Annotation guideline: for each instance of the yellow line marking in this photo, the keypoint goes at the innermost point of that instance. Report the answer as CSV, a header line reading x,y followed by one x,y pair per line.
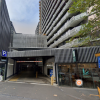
x,y
98,92
94,95
15,78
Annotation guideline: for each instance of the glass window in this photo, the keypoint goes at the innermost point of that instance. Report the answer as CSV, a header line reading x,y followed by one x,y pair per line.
x,y
89,73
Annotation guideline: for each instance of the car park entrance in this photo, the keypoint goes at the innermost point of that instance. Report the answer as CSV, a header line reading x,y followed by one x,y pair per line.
x,y
29,70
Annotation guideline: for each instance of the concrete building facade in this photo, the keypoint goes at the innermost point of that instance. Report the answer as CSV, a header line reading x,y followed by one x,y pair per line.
x,y
44,53
6,31
37,30
28,40
58,24
65,66
5,27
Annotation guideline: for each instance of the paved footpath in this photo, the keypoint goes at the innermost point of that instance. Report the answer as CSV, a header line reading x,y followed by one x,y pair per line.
x,y
25,91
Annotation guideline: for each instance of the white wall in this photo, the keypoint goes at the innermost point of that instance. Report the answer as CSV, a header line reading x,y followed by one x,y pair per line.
x,y
51,62
10,67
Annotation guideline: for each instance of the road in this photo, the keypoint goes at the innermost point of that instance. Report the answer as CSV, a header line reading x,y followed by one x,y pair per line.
x,y
26,91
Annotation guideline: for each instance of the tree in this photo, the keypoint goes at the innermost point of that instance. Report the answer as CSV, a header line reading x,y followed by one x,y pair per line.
x,y
92,28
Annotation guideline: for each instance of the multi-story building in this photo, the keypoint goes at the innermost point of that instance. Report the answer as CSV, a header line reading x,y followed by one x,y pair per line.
x,y
5,27
58,24
12,33
6,31
27,50
37,30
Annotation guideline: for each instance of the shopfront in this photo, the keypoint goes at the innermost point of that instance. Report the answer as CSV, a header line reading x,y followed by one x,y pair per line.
x,y
68,64
89,73
2,70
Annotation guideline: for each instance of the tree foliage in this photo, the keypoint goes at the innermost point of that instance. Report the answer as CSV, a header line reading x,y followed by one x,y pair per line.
x,y
92,7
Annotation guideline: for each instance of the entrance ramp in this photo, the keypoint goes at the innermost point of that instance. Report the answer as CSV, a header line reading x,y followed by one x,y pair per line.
x,y
29,77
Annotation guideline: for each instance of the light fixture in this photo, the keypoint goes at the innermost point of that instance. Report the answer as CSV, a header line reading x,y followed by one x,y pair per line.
x,y
27,61
10,64
49,65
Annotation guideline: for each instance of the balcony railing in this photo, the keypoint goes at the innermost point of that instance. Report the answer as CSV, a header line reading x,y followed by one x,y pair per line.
x,y
68,34
66,7
75,42
70,23
71,44
68,3
51,12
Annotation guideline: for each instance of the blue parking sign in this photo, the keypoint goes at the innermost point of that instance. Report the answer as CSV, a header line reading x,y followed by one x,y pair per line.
x,y
51,72
99,62
4,53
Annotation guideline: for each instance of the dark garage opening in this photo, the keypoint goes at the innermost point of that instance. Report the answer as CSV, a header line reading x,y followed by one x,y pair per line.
x,y
27,69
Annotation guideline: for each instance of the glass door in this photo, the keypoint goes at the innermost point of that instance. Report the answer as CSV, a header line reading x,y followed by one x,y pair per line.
x,y
96,77
64,75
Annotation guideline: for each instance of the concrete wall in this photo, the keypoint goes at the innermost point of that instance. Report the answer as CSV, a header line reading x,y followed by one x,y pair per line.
x,y
29,40
10,67
49,64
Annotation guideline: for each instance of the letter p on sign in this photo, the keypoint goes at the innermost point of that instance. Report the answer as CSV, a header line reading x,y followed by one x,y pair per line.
x,y
4,53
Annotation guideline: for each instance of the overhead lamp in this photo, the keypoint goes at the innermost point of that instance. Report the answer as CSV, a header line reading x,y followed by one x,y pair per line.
x,y
27,61
10,64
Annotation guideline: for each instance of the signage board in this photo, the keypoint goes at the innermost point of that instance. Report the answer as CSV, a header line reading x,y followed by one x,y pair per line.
x,y
51,72
99,62
4,53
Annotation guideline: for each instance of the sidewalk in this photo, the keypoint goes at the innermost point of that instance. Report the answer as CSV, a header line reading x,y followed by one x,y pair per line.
x,y
83,93
26,91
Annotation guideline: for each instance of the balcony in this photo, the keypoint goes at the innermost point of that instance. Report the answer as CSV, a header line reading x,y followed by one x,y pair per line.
x,y
68,34
74,43
53,38
67,5
71,44
77,19
70,23
52,11
67,15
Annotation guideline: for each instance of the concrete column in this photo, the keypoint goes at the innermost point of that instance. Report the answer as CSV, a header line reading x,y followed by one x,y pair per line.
x,y
57,80
53,69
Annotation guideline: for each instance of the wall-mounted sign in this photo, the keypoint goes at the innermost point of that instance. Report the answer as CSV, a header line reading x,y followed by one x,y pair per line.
x,y
99,62
4,53
51,72
79,82
85,72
